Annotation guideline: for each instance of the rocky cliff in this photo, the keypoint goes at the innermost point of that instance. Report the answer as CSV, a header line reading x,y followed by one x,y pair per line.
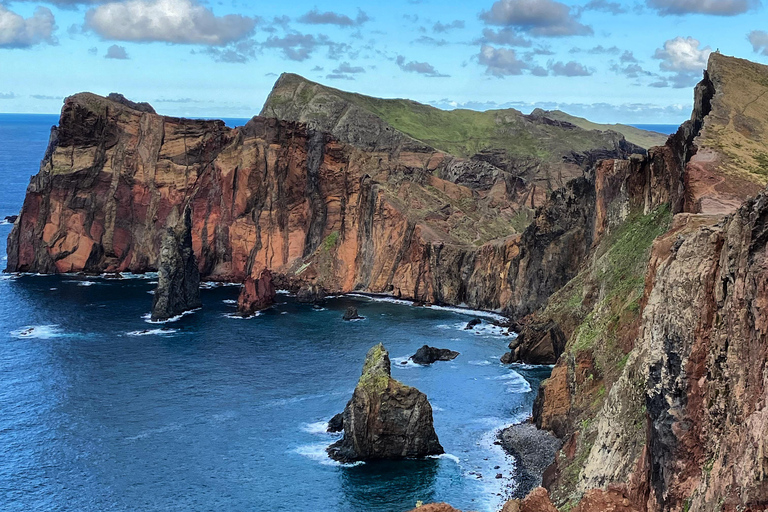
x,y
660,389
385,419
317,212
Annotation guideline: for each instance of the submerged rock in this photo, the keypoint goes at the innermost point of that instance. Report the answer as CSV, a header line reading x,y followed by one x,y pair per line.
x,y
256,294
428,355
178,283
385,419
351,314
472,323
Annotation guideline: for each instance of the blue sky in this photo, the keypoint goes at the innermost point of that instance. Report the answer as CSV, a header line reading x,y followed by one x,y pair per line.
x,y
633,62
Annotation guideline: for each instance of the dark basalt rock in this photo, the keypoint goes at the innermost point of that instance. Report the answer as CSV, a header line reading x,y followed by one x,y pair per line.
x,y
385,419
533,449
256,294
10,219
351,314
428,355
336,424
178,284
472,323
537,343
310,294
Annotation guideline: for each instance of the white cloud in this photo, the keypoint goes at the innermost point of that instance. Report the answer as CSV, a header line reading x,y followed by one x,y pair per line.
x,y
500,61
682,57
172,21
546,18
759,41
713,7
18,32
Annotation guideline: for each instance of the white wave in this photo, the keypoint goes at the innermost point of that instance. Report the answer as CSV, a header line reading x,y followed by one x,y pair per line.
x,y
382,298
473,312
317,453
152,332
404,362
152,431
86,283
447,456
437,409
480,363
151,292
146,275
318,427
8,277
148,317
52,289
4,222
238,316
42,332
283,312
229,301
284,292
319,309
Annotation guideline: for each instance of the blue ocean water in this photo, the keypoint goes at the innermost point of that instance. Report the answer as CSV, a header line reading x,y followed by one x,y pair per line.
x,y
666,129
102,411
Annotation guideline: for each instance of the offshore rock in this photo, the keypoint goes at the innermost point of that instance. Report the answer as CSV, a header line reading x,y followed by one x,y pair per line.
x,y
537,343
385,419
472,323
428,355
351,314
336,424
178,284
256,294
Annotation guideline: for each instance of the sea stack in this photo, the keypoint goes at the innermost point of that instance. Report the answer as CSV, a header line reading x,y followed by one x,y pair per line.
x,y
178,284
256,294
385,419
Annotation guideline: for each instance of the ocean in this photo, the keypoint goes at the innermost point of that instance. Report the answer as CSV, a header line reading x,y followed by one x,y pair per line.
x,y
103,411
666,129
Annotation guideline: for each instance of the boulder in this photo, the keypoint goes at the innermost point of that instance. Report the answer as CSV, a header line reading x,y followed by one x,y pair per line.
x,y
385,419
351,314
533,450
537,343
178,283
310,294
10,219
336,424
256,294
472,323
428,355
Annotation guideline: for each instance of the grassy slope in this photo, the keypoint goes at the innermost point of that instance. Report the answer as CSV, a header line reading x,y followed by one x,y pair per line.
x,y
643,138
736,126
459,132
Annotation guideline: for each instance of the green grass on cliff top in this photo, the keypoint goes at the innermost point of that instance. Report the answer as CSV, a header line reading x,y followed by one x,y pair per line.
x,y
460,132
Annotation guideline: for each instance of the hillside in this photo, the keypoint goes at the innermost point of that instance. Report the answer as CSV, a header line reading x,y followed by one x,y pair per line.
x,y
643,138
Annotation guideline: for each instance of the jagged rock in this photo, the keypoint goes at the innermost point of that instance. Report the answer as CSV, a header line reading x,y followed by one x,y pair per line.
x,y
435,507
310,294
428,355
351,314
472,323
178,283
385,419
256,294
336,424
10,219
537,343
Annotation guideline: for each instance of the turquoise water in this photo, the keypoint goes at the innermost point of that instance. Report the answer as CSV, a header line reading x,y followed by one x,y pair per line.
x,y
666,129
104,411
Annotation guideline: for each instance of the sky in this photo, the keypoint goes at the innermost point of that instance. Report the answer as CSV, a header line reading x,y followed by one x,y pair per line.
x,y
609,61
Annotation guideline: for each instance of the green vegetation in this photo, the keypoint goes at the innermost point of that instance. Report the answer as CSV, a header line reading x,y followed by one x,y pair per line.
x,y
643,138
460,132
375,378
330,241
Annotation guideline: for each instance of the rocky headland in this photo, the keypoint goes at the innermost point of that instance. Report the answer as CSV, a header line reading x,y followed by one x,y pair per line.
x,y
638,274
385,419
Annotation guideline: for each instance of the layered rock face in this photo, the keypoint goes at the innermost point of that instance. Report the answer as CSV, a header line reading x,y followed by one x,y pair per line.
x,y
385,419
178,283
256,294
660,390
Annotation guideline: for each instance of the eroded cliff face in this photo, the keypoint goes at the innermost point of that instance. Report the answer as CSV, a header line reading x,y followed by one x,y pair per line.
x,y
660,390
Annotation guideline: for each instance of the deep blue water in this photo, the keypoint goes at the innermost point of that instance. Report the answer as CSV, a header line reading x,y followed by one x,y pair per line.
x,y
219,413
666,129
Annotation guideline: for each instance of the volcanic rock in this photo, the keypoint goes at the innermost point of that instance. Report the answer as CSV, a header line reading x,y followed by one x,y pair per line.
x,y
256,294
428,355
178,284
310,294
472,323
351,314
336,424
10,219
385,419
